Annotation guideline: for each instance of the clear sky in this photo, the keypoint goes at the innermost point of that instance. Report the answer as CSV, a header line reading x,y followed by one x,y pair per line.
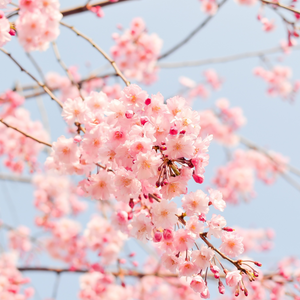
x,y
272,122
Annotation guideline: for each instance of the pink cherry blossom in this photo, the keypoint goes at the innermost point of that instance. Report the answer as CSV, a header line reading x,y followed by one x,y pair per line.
x,y
232,244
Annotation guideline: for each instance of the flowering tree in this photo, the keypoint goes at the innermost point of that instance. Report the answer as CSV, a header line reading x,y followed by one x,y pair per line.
x,y
125,172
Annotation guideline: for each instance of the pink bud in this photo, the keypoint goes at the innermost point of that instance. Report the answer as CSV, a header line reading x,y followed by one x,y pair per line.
x,y
182,132
123,283
202,217
173,131
258,263
148,101
12,32
198,178
221,287
144,120
122,261
77,139
130,215
132,254
168,234
228,229
131,203
157,236
129,114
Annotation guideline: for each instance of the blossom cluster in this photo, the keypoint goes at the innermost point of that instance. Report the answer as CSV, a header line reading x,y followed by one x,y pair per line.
x,y
12,280
17,148
222,123
136,52
144,151
64,85
279,83
38,23
211,81
236,179
5,29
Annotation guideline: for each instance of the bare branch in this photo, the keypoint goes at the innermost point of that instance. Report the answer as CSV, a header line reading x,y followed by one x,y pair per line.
x,y
113,63
222,59
45,88
185,40
281,5
58,57
24,133
15,178
83,8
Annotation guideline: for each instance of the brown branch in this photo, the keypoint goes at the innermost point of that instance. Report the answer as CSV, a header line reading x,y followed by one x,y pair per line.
x,y
256,147
16,178
83,8
64,66
236,263
43,86
281,5
222,59
112,62
24,133
195,31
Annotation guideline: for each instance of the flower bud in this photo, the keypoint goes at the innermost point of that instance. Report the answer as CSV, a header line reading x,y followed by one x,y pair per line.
x,y
258,263
173,131
199,179
130,215
168,234
129,114
182,132
148,101
157,236
228,229
131,203
12,32
202,217
221,287
144,120
77,139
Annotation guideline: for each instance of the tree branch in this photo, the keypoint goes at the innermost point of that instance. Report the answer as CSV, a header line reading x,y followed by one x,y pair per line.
x,y
185,40
43,86
281,5
64,66
15,178
83,8
112,62
223,59
24,133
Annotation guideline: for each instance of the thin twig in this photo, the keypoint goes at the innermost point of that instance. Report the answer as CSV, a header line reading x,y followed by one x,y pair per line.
x,y
281,5
112,62
45,88
56,285
26,134
15,178
258,148
63,65
222,59
185,40
36,66
83,8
